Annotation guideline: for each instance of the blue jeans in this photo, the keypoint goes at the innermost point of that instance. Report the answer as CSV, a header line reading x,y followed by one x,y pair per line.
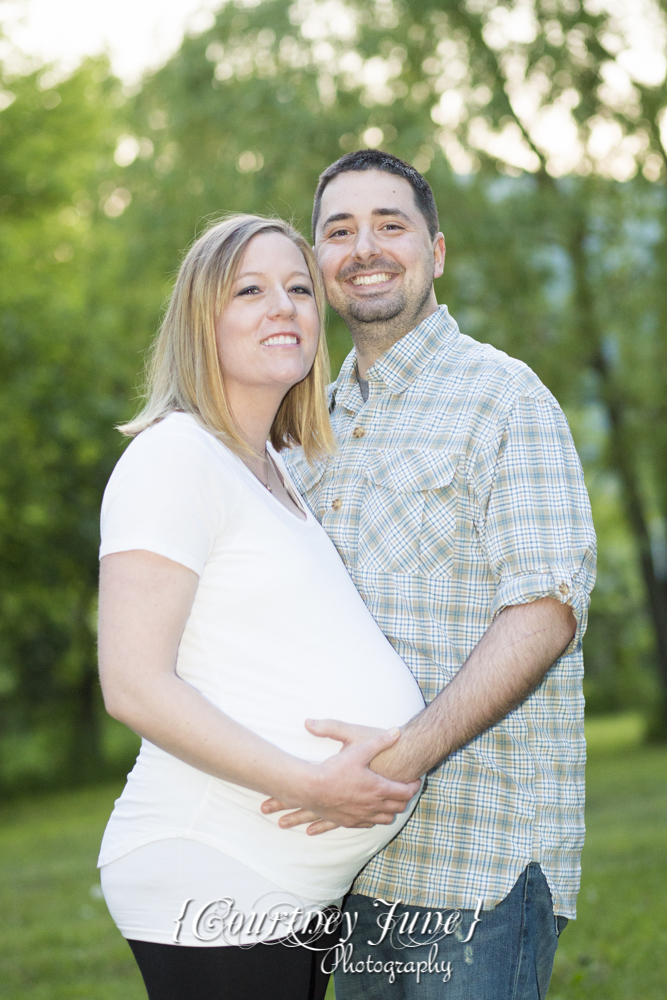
x,y
395,953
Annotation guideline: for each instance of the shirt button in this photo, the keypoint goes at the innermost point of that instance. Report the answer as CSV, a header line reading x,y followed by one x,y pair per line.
x,y
564,589
336,504
358,432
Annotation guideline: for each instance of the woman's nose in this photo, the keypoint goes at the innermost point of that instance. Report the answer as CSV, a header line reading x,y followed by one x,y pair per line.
x,y
281,303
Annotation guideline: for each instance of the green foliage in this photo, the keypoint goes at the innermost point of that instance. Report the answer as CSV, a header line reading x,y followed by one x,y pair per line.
x,y
61,383
100,193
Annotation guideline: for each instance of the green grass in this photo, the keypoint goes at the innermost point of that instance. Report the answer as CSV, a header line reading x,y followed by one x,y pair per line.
x,y
617,949
57,941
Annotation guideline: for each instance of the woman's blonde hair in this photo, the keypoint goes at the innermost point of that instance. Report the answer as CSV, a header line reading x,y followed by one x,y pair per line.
x,y
184,370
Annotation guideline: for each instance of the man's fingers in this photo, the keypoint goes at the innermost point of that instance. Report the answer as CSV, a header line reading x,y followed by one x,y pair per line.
x,y
272,806
394,806
324,825
296,818
396,795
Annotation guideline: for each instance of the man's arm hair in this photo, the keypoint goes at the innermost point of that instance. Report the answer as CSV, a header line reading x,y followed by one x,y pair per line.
x,y
508,663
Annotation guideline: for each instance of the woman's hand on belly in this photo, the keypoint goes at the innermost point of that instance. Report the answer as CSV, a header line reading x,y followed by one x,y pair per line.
x,y
345,790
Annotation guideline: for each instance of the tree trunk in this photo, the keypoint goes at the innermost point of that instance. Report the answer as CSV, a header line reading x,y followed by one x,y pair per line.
x,y
623,462
656,589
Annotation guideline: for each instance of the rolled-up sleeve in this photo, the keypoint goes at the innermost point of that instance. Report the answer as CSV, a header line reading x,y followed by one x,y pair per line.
x,y
538,530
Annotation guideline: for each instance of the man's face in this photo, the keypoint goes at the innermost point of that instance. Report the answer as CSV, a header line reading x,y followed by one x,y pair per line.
x,y
377,257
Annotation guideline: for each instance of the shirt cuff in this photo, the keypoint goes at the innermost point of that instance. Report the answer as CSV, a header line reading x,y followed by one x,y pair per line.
x,y
560,583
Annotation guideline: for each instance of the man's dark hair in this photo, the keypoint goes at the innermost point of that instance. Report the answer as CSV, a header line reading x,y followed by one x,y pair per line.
x,y
377,159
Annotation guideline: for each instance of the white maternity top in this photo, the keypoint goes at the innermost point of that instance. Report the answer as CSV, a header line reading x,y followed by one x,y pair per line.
x,y
277,634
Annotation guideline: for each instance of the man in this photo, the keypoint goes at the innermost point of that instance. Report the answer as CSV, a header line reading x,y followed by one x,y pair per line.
x,y
457,502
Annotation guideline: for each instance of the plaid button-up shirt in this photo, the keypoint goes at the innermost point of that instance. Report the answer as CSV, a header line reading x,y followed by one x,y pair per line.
x,y
457,491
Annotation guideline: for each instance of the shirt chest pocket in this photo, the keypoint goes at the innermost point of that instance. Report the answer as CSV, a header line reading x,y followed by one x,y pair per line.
x,y
408,512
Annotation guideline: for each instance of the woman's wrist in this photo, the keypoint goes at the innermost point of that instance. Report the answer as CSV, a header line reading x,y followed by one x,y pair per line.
x,y
296,782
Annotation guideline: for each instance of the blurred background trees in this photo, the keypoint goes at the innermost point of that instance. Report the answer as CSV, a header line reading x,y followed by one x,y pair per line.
x,y
542,141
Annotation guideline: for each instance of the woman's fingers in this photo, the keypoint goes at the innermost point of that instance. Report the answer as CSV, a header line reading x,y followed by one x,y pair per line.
x,y
351,734
334,729
375,744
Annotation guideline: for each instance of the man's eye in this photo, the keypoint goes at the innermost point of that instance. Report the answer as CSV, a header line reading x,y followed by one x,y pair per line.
x,y
339,232
393,225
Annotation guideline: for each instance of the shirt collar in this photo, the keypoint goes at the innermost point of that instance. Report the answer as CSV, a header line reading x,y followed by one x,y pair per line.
x,y
398,367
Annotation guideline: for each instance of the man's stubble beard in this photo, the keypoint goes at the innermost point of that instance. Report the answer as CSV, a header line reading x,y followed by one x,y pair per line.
x,y
376,325
371,311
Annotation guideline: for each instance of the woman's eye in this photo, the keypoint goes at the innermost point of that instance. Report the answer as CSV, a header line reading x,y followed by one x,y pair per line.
x,y
249,290
300,290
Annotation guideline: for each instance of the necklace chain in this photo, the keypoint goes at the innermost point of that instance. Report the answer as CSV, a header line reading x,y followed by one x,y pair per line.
x,y
270,464
267,460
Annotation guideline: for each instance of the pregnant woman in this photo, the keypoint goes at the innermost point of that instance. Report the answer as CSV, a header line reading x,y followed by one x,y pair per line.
x,y
226,620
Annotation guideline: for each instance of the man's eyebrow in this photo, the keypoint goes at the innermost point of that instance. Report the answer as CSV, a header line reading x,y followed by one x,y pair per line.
x,y
391,211
338,217
343,216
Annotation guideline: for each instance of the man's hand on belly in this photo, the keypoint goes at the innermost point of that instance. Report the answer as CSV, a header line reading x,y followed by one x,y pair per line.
x,y
344,791
507,664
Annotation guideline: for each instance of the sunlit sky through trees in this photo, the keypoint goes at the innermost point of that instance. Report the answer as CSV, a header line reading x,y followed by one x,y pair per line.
x,y
139,36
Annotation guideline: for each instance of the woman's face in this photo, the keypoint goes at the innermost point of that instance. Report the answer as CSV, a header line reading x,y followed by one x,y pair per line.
x,y
267,335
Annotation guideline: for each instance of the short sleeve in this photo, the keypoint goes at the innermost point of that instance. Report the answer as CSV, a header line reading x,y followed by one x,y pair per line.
x,y
538,530
164,496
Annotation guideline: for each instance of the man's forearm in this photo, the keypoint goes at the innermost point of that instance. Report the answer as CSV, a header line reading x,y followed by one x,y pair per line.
x,y
506,665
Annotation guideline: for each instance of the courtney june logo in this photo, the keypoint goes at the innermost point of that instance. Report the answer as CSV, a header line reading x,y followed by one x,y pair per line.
x,y
409,929
342,957
219,919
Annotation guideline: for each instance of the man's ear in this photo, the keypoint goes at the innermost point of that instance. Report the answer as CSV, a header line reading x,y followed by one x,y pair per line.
x,y
439,251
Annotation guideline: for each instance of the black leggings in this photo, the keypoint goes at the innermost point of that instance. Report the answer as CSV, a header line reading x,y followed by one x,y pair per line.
x,y
263,972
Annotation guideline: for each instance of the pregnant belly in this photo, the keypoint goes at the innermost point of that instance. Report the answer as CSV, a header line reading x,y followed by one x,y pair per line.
x,y
379,692
320,867
165,797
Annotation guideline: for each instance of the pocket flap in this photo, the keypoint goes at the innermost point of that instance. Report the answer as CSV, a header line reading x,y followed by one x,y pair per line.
x,y
411,471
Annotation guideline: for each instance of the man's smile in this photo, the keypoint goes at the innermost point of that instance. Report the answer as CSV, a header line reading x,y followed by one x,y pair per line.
x,y
371,279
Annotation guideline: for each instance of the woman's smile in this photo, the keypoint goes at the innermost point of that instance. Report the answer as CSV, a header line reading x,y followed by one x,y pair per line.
x,y
281,340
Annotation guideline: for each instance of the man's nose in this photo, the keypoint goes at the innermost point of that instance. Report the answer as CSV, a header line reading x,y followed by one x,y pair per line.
x,y
366,245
